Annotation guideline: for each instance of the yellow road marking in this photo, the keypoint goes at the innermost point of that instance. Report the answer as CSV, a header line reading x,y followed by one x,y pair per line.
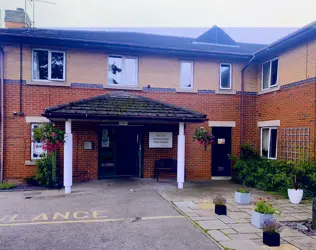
x,y
87,221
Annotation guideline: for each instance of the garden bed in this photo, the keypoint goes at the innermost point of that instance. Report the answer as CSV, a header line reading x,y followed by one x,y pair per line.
x,y
304,227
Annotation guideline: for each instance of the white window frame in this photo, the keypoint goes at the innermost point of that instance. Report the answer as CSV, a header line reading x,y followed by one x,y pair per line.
x,y
123,69
192,71
230,76
49,66
269,85
269,138
32,143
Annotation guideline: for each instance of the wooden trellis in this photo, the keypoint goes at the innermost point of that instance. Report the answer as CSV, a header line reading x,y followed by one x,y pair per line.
x,y
295,144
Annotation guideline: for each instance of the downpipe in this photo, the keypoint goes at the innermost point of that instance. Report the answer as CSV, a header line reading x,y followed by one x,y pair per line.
x,y
2,110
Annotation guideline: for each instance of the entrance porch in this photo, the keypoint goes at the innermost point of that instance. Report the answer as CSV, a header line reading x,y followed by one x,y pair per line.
x,y
120,134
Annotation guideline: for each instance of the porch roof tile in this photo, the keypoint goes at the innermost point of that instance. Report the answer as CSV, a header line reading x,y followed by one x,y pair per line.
x,y
122,105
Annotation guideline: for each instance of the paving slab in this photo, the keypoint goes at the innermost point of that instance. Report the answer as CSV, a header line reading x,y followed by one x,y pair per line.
x,y
281,247
238,215
205,213
218,235
242,221
240,245
245,228
199,218
183,203
229,231
191,214
213,224
251,236
226,219
305,243
289,232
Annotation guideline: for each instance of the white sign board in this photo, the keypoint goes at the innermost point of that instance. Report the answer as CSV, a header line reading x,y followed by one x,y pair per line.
x,y
160,139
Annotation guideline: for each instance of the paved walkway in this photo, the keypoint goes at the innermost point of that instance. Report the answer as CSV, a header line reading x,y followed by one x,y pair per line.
x,y
235,231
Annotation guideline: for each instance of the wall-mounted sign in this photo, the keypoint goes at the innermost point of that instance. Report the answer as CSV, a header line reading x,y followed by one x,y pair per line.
x,y
160,139
87,145
221,141
105,142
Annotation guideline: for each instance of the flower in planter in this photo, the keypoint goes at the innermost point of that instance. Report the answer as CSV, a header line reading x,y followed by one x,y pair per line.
x,y
271,233
272,226
220,207
242,190
219,200
265,207
204,137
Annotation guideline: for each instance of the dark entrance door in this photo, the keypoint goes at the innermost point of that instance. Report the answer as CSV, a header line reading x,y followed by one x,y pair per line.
x,y
120,151
221,150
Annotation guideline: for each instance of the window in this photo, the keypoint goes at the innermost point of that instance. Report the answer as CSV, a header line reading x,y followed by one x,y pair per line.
x,y
225,76
123,71
269,142
48,65
36,147
186,75
270,74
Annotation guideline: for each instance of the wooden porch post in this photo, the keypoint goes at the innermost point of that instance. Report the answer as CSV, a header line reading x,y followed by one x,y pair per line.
x,y
68,157
181,155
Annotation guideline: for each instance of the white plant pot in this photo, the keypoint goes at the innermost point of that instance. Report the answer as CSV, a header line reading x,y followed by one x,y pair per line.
x,y
257,219
242,198
295,195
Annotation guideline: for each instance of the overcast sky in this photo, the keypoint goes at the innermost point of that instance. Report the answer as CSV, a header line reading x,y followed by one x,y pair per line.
x,y
259,21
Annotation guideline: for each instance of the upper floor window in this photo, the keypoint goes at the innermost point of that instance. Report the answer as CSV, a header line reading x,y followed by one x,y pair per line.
x,y
123,71
36,146
225,81
270,74
186,75
48,65
269,137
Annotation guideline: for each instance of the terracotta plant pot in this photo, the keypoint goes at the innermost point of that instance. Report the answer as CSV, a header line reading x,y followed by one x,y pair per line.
x,y
271,239
220,209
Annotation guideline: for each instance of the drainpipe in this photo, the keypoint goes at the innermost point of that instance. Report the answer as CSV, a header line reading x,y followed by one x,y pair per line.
x,y
2,110
243,100
21,78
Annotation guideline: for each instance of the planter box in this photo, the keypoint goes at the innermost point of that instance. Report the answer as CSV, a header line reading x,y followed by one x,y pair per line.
x,y
271,239
242,198
295,196
257,219
220,210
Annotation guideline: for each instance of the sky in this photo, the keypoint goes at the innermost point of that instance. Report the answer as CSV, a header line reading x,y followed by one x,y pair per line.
x,y
256,21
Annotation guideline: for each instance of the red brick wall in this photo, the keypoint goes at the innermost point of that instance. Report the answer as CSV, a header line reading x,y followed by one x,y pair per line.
x,y
36,98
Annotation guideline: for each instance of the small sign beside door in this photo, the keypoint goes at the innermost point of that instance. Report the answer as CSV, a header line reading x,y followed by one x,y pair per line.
x,y
221,141
160,139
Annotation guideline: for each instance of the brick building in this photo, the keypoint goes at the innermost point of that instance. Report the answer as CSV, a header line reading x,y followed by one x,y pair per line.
x,y
129,99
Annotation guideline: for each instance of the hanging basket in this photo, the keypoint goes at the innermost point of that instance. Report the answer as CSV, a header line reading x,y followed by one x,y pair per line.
x,y
204,137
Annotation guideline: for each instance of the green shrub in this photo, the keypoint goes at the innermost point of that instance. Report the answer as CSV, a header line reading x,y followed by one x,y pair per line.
x,y
6,186
275,175
31,181
45,169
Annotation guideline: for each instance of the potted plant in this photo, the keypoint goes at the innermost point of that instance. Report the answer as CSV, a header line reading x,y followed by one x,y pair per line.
x,y
242,196
296,193
271,233
262,212
220,205
204,137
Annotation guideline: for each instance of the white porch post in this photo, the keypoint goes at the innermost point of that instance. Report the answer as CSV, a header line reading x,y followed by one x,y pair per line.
x,y
68,157
181,155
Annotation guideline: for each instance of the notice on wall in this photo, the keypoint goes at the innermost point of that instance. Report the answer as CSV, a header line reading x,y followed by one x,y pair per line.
x,y
160,139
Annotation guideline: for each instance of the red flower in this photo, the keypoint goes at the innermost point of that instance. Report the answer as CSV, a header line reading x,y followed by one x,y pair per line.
x,y
270,205
268,198
260,198
265,201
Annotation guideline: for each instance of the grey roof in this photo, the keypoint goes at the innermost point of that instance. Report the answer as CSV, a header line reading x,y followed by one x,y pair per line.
x,y
135,39
216,35
122,105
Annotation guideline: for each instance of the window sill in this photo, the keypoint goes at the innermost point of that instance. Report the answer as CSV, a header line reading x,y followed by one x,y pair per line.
x,y
225,92
272,89
48,83
122,87
30,163
186,91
